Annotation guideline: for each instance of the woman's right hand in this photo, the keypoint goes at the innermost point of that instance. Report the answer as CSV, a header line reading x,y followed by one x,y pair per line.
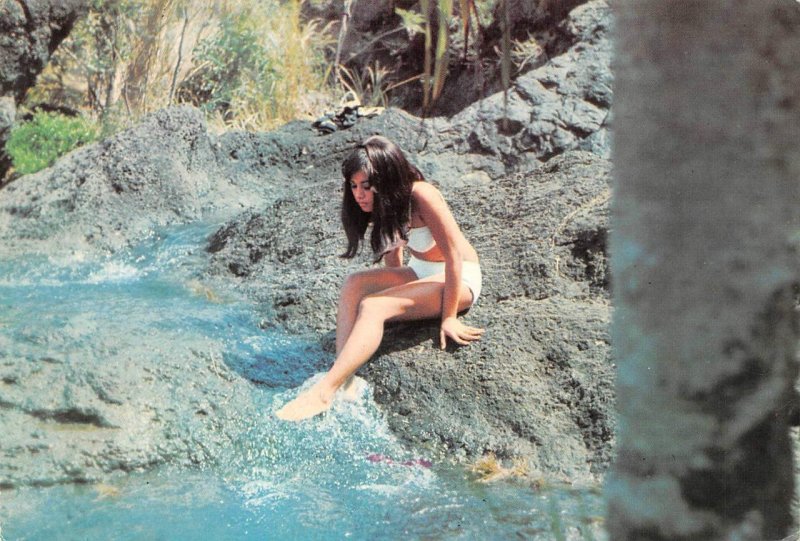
x,y
458,332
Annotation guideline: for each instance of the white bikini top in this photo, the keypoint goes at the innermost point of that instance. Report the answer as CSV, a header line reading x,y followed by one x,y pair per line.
x,y
420,239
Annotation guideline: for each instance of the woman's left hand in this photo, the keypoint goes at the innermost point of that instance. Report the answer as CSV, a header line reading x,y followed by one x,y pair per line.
x,y
458,332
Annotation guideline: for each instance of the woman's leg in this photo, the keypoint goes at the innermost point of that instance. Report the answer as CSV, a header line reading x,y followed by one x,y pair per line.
x,y
357,286
421,299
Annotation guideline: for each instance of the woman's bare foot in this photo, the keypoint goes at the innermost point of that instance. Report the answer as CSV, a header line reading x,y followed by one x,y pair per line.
x,y
353,388
307,404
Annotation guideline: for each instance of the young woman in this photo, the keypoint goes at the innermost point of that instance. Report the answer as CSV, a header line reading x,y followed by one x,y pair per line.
x,y
441,279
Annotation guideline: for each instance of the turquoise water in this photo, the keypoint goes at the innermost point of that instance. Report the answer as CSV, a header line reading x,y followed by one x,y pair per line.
x,y
341,476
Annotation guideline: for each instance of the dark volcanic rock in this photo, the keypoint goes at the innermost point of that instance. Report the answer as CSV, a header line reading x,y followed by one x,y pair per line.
x,y
30,30
8,112
369,14
539,383
69,418
560,106
104,195
526,14
169,170
375,38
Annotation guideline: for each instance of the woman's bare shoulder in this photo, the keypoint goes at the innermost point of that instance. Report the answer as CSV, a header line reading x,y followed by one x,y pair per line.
x,y
424,192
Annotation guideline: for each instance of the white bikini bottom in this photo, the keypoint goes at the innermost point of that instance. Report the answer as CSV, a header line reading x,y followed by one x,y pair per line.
x,y
470,273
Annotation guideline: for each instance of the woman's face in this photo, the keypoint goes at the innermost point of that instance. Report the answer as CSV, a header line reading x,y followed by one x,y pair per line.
x,y
362,191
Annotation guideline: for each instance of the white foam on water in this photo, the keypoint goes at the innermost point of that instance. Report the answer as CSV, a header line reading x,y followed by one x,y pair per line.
x,y
264,493
254,342
18,282
40,271
383,490
71,259
389,490
31,279
361,410
358,431
114,271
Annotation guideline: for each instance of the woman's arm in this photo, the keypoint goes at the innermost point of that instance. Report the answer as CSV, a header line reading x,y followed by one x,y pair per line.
x,y
394,258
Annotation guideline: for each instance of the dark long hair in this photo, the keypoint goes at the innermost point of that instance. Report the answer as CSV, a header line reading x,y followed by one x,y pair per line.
x,y
391,175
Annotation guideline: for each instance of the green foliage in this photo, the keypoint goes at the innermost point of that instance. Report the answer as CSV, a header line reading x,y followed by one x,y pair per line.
x,y
437,13
250,64
231,61
93,69
100,42
370,88
440,70
259,67
36,144
411,21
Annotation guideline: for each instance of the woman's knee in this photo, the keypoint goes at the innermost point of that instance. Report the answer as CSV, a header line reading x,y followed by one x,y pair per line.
x,y
353,287
379,307
370,307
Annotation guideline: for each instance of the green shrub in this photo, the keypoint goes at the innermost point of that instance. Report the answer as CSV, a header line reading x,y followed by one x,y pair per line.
x,y
261,67
230,59
36,144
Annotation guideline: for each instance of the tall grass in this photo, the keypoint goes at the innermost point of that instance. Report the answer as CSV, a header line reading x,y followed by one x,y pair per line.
x,y
250,64
130,57
151,59
285,77
434,21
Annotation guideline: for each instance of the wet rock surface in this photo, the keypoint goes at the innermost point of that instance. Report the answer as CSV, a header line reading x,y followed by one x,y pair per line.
x,y
538,385
68,419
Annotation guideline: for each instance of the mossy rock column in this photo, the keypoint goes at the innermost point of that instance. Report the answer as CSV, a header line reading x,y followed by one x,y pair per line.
x,y
704,264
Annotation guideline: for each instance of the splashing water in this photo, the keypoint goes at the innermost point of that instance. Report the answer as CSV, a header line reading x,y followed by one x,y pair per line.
x,y
341,476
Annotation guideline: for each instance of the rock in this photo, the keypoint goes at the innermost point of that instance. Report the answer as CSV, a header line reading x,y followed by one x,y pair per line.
x,y
367,14
537,386
103,195
8,113
72,418
326,10
561,105
376,38
30,30
526,15
587,22
169,170
540,233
